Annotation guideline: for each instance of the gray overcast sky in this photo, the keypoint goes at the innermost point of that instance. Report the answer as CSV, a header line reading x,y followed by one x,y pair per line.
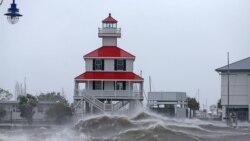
x,y
178,42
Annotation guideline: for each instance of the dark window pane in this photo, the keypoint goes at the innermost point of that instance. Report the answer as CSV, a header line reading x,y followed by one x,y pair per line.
x,y
124,62
120,85
115,64
120,64
102,64
98,64
97,85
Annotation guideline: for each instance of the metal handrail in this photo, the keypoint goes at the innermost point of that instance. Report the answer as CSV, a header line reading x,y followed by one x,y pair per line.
x,y
98,103
104,106
92,98
119,105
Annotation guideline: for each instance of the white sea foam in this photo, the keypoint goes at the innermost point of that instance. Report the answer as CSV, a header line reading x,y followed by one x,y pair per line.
x,y
142,126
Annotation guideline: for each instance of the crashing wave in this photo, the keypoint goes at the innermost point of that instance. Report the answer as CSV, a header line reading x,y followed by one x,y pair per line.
x,y
104,125
141,116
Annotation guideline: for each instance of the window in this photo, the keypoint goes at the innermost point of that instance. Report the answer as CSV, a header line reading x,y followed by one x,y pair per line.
x,y
98,64
120,85
105,25
97,85
109,25
120,64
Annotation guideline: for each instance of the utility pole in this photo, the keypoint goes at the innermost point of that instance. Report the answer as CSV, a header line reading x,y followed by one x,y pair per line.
x,y
25,92
149,83
228,88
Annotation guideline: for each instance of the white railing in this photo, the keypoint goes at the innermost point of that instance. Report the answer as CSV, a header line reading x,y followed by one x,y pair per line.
x,y
92,96
97,103
115,94
103,106
109,30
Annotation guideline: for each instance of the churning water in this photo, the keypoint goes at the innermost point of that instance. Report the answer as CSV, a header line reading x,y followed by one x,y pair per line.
x,y
144,126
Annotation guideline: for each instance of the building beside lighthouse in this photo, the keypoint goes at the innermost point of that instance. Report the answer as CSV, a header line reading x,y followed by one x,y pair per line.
x,y
239,89
108,83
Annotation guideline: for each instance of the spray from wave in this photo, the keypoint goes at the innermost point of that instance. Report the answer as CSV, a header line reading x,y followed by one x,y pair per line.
x,y
143,126
147,126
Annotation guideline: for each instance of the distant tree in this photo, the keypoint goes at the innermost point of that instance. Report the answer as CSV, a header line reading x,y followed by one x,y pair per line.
x,y
26,105
2,113
51,96
193,105
5,95
59,112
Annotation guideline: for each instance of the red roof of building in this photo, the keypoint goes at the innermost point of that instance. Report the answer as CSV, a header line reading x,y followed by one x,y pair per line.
x,y
91,75
109,51
109,19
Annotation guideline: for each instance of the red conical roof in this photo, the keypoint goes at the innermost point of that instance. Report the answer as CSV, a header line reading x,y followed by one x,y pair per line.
x,y
109,19
109,51
92,75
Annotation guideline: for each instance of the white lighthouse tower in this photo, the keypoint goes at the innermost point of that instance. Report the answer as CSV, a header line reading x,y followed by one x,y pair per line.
x,y
109,32
108,83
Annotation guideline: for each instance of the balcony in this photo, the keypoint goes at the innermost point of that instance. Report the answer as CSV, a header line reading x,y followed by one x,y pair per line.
x,y
109,32
111,94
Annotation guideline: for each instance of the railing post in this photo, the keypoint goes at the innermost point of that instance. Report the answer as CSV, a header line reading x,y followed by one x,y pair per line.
x,y
76,88
115,88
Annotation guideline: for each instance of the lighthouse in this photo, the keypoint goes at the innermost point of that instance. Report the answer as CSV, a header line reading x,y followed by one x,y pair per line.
x,y
108,83
109,31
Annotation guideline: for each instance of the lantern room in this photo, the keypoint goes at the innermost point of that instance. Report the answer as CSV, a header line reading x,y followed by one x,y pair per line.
x,y
109,31
109,22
